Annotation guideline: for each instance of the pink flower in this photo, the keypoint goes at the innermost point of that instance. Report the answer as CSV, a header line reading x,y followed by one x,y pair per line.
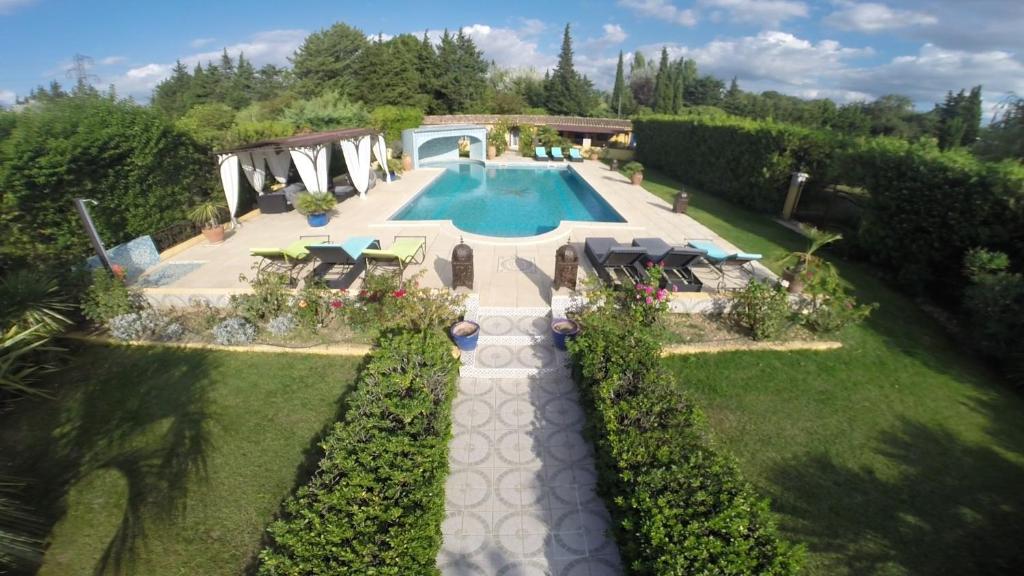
x,y
649,289
336,304
649,263
400,293
662,294
650,300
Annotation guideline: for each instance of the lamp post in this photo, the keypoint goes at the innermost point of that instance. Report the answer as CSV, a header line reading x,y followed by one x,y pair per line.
x,y
90,230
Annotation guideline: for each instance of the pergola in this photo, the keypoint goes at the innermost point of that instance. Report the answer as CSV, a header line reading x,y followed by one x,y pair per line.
x,y
441,143
311,154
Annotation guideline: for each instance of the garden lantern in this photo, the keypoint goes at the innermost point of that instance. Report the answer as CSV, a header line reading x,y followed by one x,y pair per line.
x,y
567,264
682,202
462,265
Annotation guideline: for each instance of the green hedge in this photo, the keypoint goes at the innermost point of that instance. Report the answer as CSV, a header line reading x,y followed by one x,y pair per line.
x,y
679,506
928,208
376,503
750,162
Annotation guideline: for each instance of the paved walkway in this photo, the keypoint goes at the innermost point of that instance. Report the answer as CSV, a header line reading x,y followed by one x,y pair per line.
x,y
521,496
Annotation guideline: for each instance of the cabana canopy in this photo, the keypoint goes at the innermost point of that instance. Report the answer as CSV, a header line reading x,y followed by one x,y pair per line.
x,y
311,154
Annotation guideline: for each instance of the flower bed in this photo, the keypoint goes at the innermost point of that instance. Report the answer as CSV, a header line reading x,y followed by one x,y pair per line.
x,y
376,503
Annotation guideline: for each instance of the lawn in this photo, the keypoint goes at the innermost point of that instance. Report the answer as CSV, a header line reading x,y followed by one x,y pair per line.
x,y
165,461
898,454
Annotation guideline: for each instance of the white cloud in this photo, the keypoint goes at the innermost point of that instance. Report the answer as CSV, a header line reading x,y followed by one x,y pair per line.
x,y
379,36
662,10
7,98
113,60
269,47
614,34
200,42
871,17
508,47
8,6
532,27
765,12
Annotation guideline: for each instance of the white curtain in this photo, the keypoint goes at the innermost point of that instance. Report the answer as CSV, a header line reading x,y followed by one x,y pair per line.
x,y
279,161
229,178
380,151
312,163
254,168
357,158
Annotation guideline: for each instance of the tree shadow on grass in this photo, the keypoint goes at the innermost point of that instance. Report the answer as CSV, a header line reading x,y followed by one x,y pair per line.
x,y
142,412
952,507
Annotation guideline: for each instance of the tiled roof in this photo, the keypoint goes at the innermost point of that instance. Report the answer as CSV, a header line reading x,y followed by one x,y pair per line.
x,y
564,123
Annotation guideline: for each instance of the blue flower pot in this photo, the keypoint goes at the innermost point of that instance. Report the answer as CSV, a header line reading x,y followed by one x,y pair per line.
x,y
317,220
562,330
465,334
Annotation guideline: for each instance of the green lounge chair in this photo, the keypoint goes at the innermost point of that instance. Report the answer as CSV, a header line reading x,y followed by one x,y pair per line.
x,y
402,253
540,153
574,155
556,153
289,260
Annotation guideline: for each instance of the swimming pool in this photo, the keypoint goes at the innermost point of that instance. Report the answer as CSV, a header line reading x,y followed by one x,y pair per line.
x,y
509,202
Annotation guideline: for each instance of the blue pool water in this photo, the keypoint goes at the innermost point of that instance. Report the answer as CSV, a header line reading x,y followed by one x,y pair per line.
x,y
508,202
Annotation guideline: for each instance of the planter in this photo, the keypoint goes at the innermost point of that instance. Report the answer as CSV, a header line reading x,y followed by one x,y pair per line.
x,y
406,163
637,178
214,235
594,154
492,151
465,334
318,220
562,330
795,279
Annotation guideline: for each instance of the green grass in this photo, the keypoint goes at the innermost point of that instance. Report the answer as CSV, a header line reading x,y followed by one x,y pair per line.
x,y
898,454
166,461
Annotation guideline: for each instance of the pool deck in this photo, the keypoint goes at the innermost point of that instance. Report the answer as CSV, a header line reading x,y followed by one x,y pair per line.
x,y
509,272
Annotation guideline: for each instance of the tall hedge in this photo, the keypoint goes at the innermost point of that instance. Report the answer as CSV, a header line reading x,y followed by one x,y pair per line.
x,y
376,503
680,506
928,208
140,169
746,161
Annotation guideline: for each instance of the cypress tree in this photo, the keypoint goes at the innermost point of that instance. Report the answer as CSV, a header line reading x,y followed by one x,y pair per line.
x,y
663,86
566,91
618,91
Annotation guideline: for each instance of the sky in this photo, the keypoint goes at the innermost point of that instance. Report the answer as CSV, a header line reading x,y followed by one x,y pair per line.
x,y
842,49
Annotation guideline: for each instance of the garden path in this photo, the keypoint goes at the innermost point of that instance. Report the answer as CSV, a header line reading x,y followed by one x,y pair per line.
x,y
521,496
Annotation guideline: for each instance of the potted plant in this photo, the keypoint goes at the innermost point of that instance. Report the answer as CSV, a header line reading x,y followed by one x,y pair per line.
x,y
465,333
595,153
406,162
562,330
207,214
395,167
316,207
803,264
635,172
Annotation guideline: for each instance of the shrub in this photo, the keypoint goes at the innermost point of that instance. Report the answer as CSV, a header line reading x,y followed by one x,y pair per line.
x,y
761,308
142,325
329,111
827,307
993,305
319,203
315,304
234,331
269,297
679,506
108,296
281,325
632,168
376,501
527,139
391,120
384,304
32,312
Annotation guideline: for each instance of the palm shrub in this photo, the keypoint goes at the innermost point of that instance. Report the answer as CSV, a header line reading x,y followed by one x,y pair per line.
x,y
34,312
632,168
679,506
208,213
827,307
315,203
806,261
376,501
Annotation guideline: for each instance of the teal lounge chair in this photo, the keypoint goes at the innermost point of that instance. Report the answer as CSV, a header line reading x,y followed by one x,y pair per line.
x,y
724,262
540,153
345,256
556,153
574,155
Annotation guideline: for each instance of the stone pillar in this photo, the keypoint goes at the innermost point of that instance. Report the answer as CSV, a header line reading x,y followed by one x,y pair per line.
x,y
462,266
682,202
567,264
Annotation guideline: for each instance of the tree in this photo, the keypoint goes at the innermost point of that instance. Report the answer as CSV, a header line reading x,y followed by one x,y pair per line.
x,y
326,60
169,95
208,124
329,111
460,81
663,85
733,101
389,73
619,89
566,91
1004,136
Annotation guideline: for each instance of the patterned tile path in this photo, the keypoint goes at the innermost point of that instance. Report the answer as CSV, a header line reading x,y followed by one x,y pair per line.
x,y
521,497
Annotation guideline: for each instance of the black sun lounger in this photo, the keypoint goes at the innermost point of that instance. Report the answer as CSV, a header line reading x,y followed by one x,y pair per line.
x,y
615,263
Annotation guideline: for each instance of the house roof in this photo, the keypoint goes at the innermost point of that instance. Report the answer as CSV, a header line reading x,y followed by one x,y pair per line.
x,y
562,123
303,140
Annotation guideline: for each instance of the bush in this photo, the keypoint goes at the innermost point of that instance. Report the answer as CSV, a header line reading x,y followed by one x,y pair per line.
x,y
763,309
141,169
32,312
234,331
391,120
329,111
384,305
281,325
632,168
315,203
827,307
376,501
527,140
993,305
315,304
142,325
679,506
269,297
108,296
